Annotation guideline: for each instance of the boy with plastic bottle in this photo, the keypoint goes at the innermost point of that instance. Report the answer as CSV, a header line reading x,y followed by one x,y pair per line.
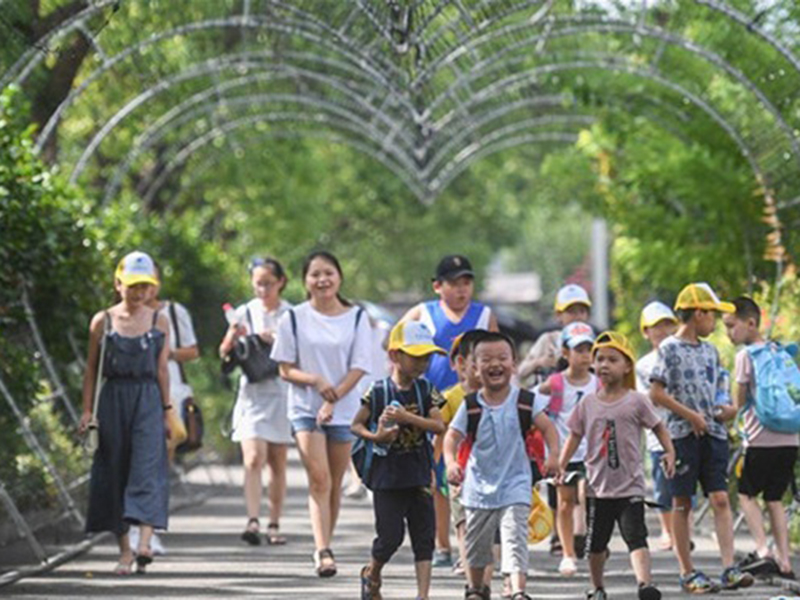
x,y
396,415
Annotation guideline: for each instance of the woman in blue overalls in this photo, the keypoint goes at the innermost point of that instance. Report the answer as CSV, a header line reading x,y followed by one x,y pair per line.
x,y
129,481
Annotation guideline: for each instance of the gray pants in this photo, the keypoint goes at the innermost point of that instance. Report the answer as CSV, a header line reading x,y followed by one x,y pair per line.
x,y
482,524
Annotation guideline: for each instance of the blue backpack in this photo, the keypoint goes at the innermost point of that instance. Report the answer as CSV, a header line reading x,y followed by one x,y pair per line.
x,y
777,397
381,395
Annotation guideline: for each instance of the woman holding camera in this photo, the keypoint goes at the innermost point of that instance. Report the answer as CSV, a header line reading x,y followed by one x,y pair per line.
x,y
260,422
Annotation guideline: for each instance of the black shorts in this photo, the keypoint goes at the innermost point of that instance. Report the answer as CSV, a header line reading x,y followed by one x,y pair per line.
x,y
602,513
701,459
767,471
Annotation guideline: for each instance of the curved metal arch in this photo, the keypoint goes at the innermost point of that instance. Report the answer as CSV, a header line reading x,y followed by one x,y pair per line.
x,y
153,135
424,195
508,143
526,77
235,61
49,127
183,154
201,71
484,67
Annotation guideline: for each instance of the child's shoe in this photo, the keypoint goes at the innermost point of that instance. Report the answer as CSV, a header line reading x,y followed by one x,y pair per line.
x,y
733,579
442,558
597,594
370,588
483,593
647,591
697,582
567,568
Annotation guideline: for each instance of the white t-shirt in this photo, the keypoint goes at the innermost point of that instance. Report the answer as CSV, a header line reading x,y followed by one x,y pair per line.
x,y
573,395
644,366
179,390
327,346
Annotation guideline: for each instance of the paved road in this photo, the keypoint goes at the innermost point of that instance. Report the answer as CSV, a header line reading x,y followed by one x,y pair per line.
x,y
206,559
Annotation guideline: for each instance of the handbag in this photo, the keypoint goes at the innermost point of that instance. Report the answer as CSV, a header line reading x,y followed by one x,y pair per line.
x,y
251,355
92,440
191,415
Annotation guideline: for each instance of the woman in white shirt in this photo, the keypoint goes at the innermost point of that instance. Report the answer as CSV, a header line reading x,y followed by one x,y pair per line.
x,y
323,348
260,422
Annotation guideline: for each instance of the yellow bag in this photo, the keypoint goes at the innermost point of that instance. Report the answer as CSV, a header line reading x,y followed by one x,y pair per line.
x,y
540,519
177,431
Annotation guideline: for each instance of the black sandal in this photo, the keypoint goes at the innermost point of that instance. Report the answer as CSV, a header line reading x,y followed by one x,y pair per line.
x,y
482,593
324,570
250,536
273,535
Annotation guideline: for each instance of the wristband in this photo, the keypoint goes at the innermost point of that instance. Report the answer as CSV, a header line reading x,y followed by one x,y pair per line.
x,y
166,407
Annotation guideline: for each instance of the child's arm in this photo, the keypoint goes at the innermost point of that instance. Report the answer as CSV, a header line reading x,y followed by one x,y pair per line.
x,y
660,397
359,428
543,423
452,439
669,450
573,441
431,423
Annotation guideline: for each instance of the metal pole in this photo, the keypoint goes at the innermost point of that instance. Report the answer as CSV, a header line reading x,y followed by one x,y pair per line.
x,y
600,308
22,526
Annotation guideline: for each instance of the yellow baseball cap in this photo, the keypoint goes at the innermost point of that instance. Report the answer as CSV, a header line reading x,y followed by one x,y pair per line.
x,y
571,294
136,267
413,338
617,341
655,312
701,296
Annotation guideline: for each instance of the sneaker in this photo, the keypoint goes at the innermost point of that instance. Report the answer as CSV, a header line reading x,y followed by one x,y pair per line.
x,y
442,558
567,568
157,546
748,560
787,575
697,582
647,591
356,492
598,594
733,579
760,567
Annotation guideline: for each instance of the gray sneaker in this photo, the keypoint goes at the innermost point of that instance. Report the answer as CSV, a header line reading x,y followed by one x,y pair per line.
x,y
442,558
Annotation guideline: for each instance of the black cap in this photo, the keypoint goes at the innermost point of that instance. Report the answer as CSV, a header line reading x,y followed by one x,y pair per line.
x,y
452,267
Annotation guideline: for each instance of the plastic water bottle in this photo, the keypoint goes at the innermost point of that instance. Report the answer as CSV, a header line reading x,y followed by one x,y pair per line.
x,y
230,314
723,396
390,423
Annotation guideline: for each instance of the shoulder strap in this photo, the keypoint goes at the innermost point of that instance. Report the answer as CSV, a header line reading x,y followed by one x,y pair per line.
x,y
359,312
556,393
525,411
293,319
174,316
100,362
155,319
358,315
250,320
474,411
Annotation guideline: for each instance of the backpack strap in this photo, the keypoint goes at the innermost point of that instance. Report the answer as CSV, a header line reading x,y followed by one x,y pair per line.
x,y
293,320
474,411
525,411
556,394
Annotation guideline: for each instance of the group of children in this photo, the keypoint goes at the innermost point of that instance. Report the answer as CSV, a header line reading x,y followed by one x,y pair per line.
x,y
581,426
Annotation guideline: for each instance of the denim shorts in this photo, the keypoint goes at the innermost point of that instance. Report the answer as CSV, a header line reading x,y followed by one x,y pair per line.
x,y
701,459
334,433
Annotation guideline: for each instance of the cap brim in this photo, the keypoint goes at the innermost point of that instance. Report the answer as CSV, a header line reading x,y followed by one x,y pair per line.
x,y
422,350
657,321
136,279
726,307
583,339
566,305
455,275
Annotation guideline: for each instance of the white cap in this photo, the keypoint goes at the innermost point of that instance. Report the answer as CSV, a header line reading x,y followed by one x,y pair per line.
x,y
656,312
577,333
137,267
571,294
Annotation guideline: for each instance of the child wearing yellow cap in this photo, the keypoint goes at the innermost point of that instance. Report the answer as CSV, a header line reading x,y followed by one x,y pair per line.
x,y
395,416
686,380
611,421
